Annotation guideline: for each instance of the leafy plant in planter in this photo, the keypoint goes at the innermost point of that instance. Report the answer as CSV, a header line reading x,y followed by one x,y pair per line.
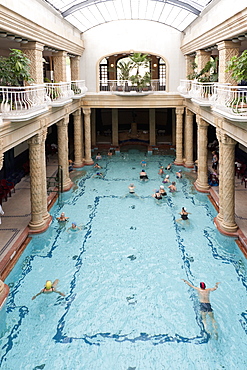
x,y
140,61
125,69
238,67
209,72
15,69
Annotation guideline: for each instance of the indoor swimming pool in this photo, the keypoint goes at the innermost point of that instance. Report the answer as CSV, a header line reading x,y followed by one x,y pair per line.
x,y
126,306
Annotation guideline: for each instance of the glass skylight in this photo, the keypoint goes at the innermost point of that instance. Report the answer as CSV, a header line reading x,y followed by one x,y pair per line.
x,y
90,13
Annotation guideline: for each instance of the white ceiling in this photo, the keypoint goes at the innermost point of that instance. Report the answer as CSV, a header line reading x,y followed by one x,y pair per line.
x,y
90,13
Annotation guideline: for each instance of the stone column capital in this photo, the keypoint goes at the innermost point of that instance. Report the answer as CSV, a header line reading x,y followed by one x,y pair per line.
x,y
201,122
36,139
202,52
63,122
33,45
228,45
180,110
77,113
227,140
188,112
86,111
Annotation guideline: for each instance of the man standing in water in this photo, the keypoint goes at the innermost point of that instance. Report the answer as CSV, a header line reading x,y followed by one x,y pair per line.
x,y
205,305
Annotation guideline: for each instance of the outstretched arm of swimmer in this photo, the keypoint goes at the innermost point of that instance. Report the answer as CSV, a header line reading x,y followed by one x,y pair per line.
x,y
57,291
37,294
215,287
188,283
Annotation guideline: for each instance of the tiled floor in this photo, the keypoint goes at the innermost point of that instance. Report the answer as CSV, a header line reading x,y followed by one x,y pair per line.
x,y
17,210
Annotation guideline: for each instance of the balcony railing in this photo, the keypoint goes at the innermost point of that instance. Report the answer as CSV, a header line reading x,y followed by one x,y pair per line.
x,y
226,99
126,86
26,102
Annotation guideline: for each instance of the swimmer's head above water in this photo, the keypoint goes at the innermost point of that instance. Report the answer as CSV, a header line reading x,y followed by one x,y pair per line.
x,y
202,285
48,285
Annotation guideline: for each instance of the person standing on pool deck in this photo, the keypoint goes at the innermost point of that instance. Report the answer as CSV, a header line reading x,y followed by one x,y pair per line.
x,y
205,305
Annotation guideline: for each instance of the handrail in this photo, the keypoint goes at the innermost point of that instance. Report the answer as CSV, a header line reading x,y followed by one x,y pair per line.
x,y
25,102
221,96
128,86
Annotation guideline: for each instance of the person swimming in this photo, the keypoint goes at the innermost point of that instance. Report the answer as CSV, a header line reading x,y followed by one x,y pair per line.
x,y
49,288
143,175
205,305
166,179
62,218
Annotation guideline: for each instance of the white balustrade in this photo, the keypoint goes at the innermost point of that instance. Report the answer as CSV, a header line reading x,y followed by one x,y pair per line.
x,y
79,88
127,86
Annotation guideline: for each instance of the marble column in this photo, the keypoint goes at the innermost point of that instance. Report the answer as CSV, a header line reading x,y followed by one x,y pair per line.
x,y
179,137
45,213
152,130
173,127
37,222
87,128
228,224
114,126
78,139
189,60
202,58
202,153
219,134
227,50
63,158
34,51
59,63
189,139
93,124
75,68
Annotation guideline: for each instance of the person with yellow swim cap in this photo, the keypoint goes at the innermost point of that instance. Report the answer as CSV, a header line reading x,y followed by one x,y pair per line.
x,y
49,288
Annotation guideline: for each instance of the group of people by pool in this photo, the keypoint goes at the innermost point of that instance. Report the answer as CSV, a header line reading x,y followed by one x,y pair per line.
x,y
203,292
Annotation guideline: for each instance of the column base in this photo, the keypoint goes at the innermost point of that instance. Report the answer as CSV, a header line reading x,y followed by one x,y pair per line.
x,y
226,229
189,164
88,162
78,165
4,295
203,188
39,228
178,162
67,186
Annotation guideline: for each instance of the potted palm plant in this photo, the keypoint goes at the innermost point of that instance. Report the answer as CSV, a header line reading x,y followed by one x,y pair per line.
x,y
15,69
140,62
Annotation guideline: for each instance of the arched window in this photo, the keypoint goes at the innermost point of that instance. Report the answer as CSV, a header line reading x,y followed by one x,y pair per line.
x,y
103,75
162,74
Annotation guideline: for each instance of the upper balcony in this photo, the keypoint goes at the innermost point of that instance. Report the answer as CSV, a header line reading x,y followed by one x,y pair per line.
x,y
26,102
127,88
228,101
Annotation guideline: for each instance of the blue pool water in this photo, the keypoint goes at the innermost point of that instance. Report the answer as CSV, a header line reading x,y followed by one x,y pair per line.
x,y
126,306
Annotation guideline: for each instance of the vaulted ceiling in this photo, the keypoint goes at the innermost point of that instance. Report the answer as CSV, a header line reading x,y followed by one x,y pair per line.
x,y
90,13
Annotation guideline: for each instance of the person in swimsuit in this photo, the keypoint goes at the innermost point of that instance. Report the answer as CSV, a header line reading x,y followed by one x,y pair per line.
x,y
131,191
157,195
62,218
169,166
98,156
172,188
97,166
161,171
205,305
166,179
162,191
49,288
98,175
143,175
179,174
143,163
184,215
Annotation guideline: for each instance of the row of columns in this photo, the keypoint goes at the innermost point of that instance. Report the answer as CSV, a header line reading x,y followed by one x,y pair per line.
x,y
226,215
226,49
34,51
37,159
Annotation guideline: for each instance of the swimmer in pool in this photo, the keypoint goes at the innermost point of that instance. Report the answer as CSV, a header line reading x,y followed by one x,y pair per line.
x,y
172,188
97,166
62,218
184,215
49,288
161,171
143,175
98,175
179,174
157,195
143,163
162,191
169,166
205,305
166,179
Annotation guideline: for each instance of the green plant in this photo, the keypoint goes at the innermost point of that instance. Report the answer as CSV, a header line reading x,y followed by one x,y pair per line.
x,y
125,69
209,72
15,69
238,67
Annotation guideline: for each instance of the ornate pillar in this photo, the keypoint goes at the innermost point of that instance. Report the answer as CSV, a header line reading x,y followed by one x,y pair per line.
x,y
173,127
63,159
1,150
189,139
34,51
179,137
93,122
202,58
227,50
202,141
45,213
37,222
78,138
219,135
228,224
59,63
152,131
189,60
114,126
87,127
75,68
